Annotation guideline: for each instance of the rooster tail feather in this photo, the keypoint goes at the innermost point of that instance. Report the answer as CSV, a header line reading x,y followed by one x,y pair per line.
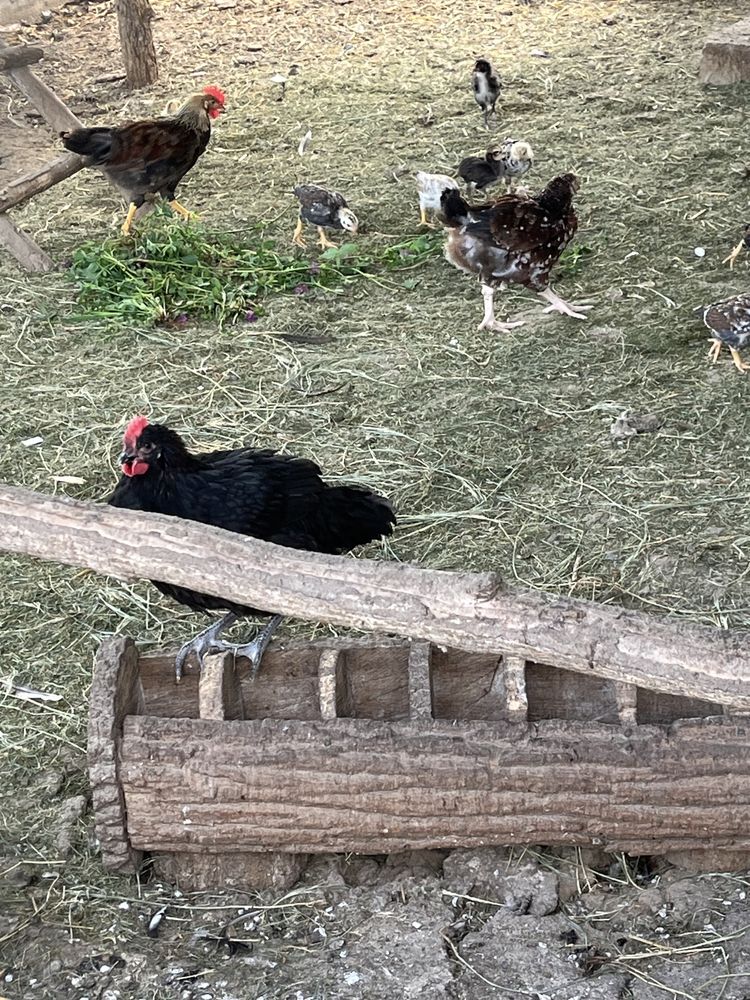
x,y
355,516
455,210
93,142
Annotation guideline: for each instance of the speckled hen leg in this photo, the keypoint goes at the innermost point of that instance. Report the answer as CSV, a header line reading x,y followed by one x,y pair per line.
x,y
254,650
738,362
560,305
325,243
489,322
206,641
714,351
734,255
297,237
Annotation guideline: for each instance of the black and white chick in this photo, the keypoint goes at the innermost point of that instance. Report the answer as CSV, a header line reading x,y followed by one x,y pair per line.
x,y
744,244
480,172
729,323
324,209
487,87
517,160
430,187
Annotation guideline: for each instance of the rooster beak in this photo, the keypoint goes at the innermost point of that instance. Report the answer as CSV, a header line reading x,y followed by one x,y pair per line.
x,y
126,457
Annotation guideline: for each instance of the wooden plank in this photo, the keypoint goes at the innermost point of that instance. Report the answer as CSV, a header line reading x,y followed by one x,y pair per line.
x,y
374,787
219,691
15,56
329,682
115,693
514,688
47,103
420,681
34,183
475,612
23,248
627,703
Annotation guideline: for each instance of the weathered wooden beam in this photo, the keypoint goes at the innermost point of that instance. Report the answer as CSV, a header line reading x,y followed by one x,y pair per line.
x,y
49,105
16,56
115,692
374,787
726,55
23,248
34,183
474,612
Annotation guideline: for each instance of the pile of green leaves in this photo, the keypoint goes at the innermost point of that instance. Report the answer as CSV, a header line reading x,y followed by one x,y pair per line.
x,y
176,272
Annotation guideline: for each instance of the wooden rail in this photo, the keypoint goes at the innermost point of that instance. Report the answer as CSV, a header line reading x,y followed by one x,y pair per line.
x,y
473,612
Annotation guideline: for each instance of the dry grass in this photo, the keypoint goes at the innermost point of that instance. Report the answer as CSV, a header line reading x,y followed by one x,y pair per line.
x,y
496,449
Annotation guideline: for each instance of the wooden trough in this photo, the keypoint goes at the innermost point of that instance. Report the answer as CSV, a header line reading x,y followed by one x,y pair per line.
x,y
383,745
508,717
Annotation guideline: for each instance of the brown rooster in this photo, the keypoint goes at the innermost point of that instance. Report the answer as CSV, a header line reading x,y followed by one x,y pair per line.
x,y
516,239
149,158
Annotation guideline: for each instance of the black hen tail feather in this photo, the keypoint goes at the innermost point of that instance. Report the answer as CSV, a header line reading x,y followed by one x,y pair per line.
x,y
93,142
455,210
355,516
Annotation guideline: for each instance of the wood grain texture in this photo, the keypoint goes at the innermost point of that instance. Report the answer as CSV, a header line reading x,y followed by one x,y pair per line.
x,y
374,787
23,248
15,56
40,180
474,612
137,41
726,55
115,692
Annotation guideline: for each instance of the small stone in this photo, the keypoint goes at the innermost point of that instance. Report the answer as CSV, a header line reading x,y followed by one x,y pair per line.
x,y
700,251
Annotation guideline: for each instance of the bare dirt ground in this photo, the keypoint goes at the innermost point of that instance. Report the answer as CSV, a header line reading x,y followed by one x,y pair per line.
x,y
497,450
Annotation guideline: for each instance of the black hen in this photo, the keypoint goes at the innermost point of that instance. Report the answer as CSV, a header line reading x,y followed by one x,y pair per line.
x,y
278,498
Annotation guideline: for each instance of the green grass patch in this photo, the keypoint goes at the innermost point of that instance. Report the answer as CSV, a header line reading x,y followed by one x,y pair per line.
x,y
172,272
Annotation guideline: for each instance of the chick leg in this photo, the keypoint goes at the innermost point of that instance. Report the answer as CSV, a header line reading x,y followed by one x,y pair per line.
x,y
297,237
734,255
739,364
254,650
423,218
560,305
132,209
206,641
715,351
324,241
489,322
181,210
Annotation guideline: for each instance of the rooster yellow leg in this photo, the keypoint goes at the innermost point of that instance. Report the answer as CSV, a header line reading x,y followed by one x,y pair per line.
x,y
181,210
734,255
324,241
297,237
132,209
739,364
715,351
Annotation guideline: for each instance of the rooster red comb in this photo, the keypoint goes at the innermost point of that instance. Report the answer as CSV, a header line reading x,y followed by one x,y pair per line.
x,y
133,430
216,92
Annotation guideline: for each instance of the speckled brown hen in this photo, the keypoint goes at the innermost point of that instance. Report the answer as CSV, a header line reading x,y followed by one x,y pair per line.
x,y
729,323
516,239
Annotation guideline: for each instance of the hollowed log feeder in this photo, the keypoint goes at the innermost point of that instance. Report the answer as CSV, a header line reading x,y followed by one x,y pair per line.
x,y
384,745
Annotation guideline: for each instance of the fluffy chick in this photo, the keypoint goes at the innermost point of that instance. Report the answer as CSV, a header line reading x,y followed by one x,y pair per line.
x,y
430,187
479,172
487,87
324,209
